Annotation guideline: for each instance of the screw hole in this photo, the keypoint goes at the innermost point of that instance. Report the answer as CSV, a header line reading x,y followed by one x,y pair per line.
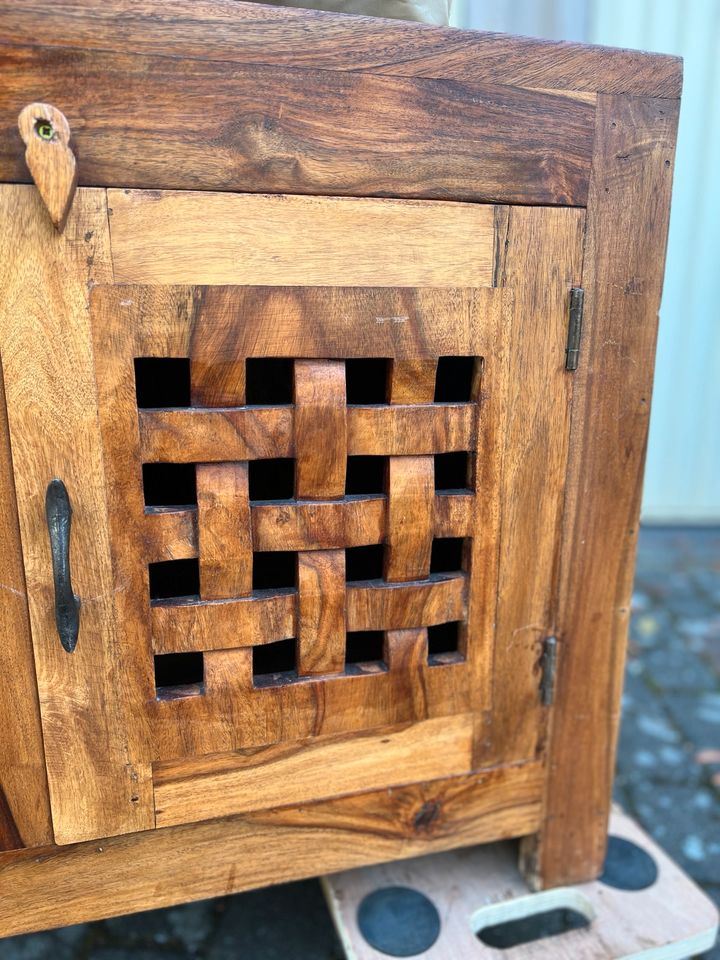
x,y
44,129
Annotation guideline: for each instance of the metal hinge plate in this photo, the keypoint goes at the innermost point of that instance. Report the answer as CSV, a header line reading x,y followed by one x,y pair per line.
x,y
572,351
548,668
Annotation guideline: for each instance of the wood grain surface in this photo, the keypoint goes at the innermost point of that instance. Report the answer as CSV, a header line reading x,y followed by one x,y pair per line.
x,y
221,238
171,533
98,783
235,32
170,322
287,774
299,130
627,223
161,867
24,802
541,259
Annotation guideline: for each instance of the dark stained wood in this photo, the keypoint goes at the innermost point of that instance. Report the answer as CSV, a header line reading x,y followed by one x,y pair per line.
x,y
303,131
627,224
249,32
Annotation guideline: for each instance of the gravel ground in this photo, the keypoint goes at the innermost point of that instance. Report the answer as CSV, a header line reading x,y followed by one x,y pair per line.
x,y
668,778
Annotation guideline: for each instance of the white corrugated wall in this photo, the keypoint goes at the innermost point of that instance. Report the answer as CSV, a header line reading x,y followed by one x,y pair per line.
x,y
682,481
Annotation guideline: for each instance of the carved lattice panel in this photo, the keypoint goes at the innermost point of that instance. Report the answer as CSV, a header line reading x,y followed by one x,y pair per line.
x,y
303,496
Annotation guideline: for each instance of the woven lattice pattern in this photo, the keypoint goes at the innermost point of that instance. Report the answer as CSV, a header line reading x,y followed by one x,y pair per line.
x,y
329,536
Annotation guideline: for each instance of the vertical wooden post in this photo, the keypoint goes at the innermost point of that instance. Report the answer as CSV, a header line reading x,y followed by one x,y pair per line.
x,y
627,221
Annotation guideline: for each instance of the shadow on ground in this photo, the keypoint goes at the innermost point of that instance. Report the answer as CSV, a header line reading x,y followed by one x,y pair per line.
x,y
668,778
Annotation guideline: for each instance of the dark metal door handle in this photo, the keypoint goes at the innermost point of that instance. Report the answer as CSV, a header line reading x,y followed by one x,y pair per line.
x,y
67,606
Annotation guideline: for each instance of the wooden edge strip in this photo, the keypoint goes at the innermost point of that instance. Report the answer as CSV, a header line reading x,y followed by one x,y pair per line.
x,y
249,32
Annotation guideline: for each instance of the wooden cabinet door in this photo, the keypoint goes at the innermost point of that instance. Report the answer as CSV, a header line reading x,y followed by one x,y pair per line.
x,y
331,438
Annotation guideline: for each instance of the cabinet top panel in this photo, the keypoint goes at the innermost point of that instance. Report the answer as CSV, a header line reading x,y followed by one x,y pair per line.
x,y
253,33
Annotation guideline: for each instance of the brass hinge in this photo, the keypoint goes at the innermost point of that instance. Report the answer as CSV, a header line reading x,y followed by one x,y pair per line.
x,y
548,669
572,351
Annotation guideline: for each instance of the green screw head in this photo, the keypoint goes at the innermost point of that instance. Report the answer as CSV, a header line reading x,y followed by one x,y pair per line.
x,y
44,129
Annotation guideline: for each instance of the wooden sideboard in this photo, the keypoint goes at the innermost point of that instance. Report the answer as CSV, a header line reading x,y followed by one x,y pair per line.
x,y
342,363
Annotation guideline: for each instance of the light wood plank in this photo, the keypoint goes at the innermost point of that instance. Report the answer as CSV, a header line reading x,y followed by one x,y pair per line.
x,y
227,238
288,774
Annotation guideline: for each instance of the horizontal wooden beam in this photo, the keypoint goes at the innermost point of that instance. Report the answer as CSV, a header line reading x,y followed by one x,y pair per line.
x,y
252,33
88,881
200,435
180,627
171,533
254,128
283,775
194,237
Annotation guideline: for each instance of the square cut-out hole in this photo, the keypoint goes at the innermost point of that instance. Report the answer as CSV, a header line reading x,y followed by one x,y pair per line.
x,y
178,675
274,570
174,578
364,647
269,381
162,381
364,563
444,643
274,662
271,479
454,380
366,380
452,471
365,475
447,555
169,484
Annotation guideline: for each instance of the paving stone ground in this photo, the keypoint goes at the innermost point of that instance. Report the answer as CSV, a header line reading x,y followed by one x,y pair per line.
x,y
668,777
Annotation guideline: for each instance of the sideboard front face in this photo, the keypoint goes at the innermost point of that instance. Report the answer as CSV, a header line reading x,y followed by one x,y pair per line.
x,y
353,478
304,472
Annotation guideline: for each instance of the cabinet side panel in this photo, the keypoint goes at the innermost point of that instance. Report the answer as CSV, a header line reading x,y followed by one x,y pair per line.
x,y
98,787
627,224
24,803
